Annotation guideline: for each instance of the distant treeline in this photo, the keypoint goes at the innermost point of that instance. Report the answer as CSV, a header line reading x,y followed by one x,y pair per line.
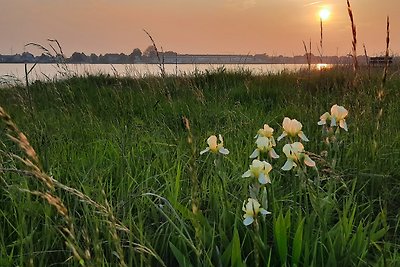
x,y
150,56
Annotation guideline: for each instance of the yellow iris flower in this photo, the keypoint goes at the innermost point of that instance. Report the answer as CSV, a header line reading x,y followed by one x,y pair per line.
x,y
259,170
296,155
214,146
292,128
252,209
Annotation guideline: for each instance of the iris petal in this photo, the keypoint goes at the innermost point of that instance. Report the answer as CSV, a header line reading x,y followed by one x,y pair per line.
x,y
264,211
262,179
288,165
248,220
303,136
204,151
224,151
333,121
255,154
308,161
273,154
246,174
343,125
284,134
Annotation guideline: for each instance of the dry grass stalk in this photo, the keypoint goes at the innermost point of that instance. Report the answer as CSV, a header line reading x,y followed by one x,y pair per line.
x,y
33,169
113,232
308,54
161,65
31,160
56,54
19,138
354,33
367,61
192,168
381,92
384,77
321,52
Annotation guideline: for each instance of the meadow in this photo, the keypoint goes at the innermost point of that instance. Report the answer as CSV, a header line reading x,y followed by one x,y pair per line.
x,y
110,171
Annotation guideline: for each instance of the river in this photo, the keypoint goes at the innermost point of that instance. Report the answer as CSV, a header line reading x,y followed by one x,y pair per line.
x,y
14,73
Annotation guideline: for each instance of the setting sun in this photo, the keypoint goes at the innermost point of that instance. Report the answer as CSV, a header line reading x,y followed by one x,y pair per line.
x,y
324,14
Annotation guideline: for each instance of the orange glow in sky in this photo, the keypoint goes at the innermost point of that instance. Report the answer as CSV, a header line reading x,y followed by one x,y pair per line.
x,y
274,27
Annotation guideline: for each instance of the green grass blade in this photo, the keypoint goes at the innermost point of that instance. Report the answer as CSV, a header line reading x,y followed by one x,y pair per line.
x,y
179,256
297,244
236,255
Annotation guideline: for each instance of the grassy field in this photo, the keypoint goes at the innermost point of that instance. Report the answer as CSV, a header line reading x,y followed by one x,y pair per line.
x,y
119,179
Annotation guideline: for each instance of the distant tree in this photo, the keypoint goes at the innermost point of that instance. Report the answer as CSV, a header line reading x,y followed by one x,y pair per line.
x,y
137,53
135,56
44,58
101,59
93,58
78,58
170,54
28,57
123,58
150,52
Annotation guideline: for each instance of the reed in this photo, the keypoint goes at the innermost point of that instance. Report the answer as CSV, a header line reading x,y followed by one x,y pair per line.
x,y
321,46
354,34
161,65
381,90
385,70
367,61
308,54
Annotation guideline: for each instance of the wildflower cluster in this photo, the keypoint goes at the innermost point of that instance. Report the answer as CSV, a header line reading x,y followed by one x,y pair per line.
x,y
296,157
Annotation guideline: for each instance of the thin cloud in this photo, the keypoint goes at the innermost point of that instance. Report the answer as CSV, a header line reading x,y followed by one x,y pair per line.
x,y
313,3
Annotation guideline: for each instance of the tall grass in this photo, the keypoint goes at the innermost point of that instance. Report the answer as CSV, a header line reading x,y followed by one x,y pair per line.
x,y
124,165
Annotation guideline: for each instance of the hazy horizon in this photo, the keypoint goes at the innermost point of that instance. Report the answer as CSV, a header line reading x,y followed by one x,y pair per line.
x,y
198,27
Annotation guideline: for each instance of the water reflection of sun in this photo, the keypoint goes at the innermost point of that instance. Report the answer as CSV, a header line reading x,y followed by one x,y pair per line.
x,y
322,66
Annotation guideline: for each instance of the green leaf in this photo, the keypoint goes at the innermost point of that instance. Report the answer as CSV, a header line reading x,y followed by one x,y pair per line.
x,y
177,186
182,260
378,235
236,256
297,243
281,238
226,256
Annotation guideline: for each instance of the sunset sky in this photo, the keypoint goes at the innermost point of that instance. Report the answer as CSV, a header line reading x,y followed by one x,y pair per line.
x,y
274,27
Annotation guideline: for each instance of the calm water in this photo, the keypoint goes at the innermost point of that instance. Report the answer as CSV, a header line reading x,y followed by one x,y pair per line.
x,y
11,73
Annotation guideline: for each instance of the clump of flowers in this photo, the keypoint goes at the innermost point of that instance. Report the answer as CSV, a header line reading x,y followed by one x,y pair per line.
x,y
336,117
292,128
214,146
295,156
252,208
259,170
